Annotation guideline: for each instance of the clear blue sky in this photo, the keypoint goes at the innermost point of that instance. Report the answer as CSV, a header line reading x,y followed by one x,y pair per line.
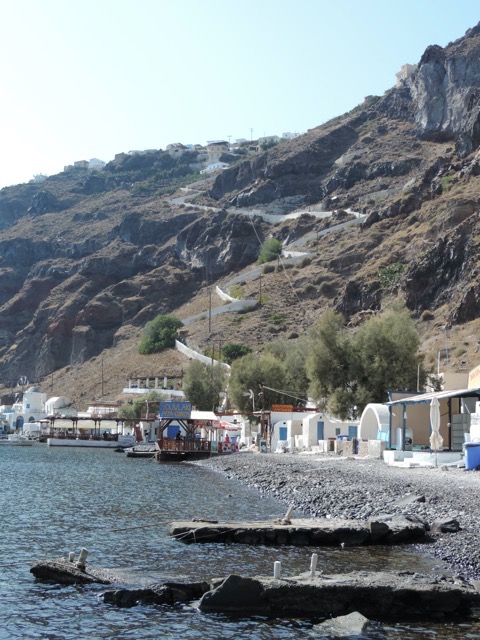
x,y
91,78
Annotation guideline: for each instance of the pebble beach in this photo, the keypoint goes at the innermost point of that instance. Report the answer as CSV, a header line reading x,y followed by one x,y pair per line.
x,y
329,486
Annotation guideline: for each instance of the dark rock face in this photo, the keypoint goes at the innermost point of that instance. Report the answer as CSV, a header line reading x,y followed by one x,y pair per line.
x,y
91,253
434,276
446,94
276,174
42,202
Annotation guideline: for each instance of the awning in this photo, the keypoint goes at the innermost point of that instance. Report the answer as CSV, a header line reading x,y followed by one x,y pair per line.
x,y
207,416
426,398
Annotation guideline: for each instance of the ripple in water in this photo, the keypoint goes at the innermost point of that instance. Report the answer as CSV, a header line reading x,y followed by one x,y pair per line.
x,y
58,500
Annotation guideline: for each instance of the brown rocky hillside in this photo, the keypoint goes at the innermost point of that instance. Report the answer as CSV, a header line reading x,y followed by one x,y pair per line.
x,y
86,259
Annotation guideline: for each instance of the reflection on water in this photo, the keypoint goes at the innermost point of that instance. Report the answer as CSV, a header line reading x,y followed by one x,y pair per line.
x,y
59,500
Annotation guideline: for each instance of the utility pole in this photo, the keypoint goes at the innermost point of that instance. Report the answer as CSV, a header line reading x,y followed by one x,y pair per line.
x,y
262,434
446,345
209,310
102,377
260,293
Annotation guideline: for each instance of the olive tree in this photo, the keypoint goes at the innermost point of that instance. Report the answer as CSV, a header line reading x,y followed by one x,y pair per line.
x,y
350,369
203,384
256,373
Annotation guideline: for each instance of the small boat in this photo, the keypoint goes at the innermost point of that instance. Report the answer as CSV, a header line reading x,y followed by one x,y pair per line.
x,y
17,440
141,451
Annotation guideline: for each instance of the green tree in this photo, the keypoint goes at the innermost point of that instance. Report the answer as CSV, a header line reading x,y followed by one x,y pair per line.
x,y
270,250
159,334
232,350
387,355
203,384
137,408
349,370
329,358
249,373
293,355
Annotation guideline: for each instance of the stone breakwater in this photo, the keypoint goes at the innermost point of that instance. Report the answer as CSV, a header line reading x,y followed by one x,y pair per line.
x,y
325,486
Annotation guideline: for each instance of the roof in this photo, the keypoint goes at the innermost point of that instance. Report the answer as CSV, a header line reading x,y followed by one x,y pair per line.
x,y
204,415
426,398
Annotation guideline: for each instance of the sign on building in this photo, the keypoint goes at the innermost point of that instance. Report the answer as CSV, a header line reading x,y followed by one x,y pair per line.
x,y
175,410
284,408
474,378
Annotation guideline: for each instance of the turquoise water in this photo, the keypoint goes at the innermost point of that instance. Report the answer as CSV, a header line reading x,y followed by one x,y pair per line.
x,y
58,500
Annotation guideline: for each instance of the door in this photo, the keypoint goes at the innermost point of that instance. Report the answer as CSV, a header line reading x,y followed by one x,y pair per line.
x,y
282,433
172,430
320,430
352,431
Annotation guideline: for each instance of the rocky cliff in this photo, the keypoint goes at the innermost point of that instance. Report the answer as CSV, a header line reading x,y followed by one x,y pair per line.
x,y
88,255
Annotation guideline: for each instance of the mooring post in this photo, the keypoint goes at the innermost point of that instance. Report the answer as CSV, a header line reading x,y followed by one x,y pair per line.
x,y
71,556
82,558
288,515
277,569
313,564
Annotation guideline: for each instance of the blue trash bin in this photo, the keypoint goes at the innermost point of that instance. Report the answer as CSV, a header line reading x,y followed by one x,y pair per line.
x,y
472,455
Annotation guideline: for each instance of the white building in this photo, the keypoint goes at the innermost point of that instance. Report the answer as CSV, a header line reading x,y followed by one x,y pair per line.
x,y
321,426
216,166
54,404
215,150
95,163
304,431
405,73
374,422
31,408
176,149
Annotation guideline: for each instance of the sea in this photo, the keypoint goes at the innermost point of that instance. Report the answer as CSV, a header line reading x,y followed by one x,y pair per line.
x,y
56,500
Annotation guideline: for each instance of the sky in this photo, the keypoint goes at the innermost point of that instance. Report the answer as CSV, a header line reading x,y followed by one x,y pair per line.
x,y
90,79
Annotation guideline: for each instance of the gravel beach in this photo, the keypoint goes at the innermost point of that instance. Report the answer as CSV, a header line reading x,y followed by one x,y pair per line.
x,y
337,487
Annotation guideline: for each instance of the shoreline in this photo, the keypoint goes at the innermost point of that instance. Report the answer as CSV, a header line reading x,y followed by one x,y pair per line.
x,y
358,488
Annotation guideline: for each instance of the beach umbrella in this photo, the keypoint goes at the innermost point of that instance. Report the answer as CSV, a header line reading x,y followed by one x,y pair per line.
x,y
436,440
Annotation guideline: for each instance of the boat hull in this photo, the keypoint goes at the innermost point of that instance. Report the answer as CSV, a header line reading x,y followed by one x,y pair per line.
x,y
92,444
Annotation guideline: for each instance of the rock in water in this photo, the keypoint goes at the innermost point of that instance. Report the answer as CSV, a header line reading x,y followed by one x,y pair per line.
x,y
347,626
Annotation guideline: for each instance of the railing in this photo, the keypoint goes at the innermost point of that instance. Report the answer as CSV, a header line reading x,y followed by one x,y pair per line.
x,y
182,444
83,436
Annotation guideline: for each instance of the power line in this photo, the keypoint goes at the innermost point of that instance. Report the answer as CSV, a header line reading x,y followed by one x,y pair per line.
x,y
285,393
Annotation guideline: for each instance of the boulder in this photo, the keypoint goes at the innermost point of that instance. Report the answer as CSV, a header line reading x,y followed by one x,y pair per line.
x,y
353,624
237,594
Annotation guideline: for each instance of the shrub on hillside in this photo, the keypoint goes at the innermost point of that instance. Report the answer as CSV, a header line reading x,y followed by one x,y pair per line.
x,y
233,350
159,334
270,250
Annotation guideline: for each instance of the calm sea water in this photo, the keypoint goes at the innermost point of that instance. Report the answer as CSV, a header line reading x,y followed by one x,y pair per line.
x,y
56,500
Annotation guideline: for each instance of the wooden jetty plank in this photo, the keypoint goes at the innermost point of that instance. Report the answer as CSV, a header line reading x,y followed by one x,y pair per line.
x,y
301,531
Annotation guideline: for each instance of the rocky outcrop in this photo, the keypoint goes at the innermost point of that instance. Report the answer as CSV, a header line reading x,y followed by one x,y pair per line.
x,y
91,254
446,94
279,173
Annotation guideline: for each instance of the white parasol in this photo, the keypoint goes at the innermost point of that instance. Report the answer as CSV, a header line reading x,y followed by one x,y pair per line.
x,y
436,440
